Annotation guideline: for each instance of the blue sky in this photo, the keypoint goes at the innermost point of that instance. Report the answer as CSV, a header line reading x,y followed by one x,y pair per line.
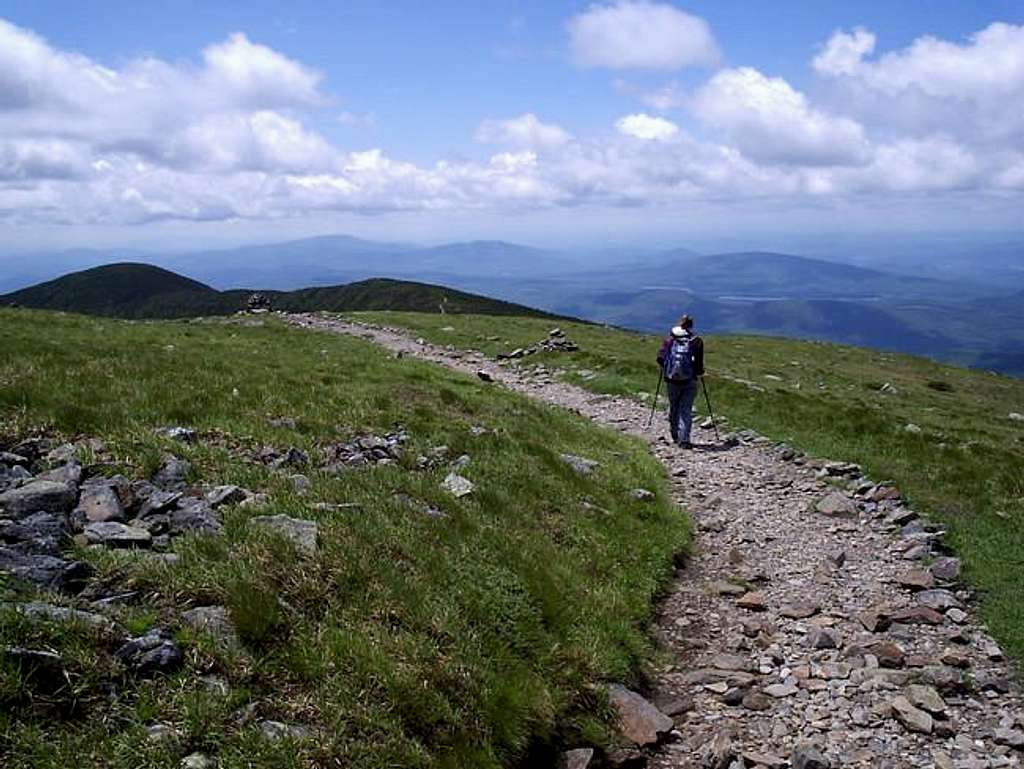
x,y
236,121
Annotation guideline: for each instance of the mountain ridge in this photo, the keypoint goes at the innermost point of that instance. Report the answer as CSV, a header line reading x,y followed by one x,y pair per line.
x,y
135,290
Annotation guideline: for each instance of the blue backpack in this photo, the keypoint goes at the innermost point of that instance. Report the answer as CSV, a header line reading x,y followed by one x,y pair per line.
x,y
678,363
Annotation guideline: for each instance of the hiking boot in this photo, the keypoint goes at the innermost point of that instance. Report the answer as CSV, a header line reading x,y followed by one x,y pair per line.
x,y
685,445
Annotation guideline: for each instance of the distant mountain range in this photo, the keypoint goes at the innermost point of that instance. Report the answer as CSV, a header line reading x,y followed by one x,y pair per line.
x,y
143,291
941,309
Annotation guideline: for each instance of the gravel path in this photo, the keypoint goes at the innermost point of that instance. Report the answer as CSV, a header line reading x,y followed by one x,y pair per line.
x,y
818,622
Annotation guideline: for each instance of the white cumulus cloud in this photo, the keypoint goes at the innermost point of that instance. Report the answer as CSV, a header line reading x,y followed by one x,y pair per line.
x,y
636,34
523,131
644,126
770,121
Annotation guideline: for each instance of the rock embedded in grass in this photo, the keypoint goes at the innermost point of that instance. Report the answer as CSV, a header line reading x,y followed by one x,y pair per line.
x,y
213,620
457,485
581,465
39,668
154,653
45,611
300,531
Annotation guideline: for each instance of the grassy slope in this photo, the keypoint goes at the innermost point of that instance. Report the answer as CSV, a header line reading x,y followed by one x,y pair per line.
x,y
410,641
966,467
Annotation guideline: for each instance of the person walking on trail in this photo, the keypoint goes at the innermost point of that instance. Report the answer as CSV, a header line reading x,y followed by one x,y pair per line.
x,y
681,359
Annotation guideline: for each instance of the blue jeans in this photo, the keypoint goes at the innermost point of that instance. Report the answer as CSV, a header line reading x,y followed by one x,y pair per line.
x,y
680,409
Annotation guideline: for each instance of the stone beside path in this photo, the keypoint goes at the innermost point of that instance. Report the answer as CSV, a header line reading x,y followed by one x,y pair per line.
x,y
819,622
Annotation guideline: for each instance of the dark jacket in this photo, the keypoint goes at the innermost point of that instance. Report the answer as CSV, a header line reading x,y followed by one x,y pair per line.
x,y
696,352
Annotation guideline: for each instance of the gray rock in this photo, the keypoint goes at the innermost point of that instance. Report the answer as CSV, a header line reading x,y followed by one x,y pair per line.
x,y
172,473
46,611
183,434
40,669
457,485
823,638
302,532
806,755
113,534
888,654
579,758
161,732
912,718
45,571
300,483
938,599
277,730
197,761
46,532
926,698
639,721
917,579
752,601
723,587
758,701
719,752
581,465
194,515
12,477
36,497
485,376
778,691
70,474
1013,738
946,569
225,495
154,653
642,495
213,620
837,505
11,459
158,501
97,504
800,609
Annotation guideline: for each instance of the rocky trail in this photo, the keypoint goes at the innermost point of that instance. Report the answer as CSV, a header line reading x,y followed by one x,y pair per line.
x,y
819,622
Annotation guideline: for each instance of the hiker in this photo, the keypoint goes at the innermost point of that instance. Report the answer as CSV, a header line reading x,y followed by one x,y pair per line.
x,y
681,359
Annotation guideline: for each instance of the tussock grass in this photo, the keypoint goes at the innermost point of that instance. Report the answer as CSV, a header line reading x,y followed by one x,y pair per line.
x,y
469,640
965,468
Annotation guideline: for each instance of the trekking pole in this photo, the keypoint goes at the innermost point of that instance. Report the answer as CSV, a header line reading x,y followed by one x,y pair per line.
x,y
712,413
655,404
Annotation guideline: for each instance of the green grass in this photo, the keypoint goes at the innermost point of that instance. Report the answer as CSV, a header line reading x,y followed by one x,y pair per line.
x,y
965,468
470,640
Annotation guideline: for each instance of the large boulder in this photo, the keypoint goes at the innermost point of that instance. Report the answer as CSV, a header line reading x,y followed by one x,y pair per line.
x,y
36,497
